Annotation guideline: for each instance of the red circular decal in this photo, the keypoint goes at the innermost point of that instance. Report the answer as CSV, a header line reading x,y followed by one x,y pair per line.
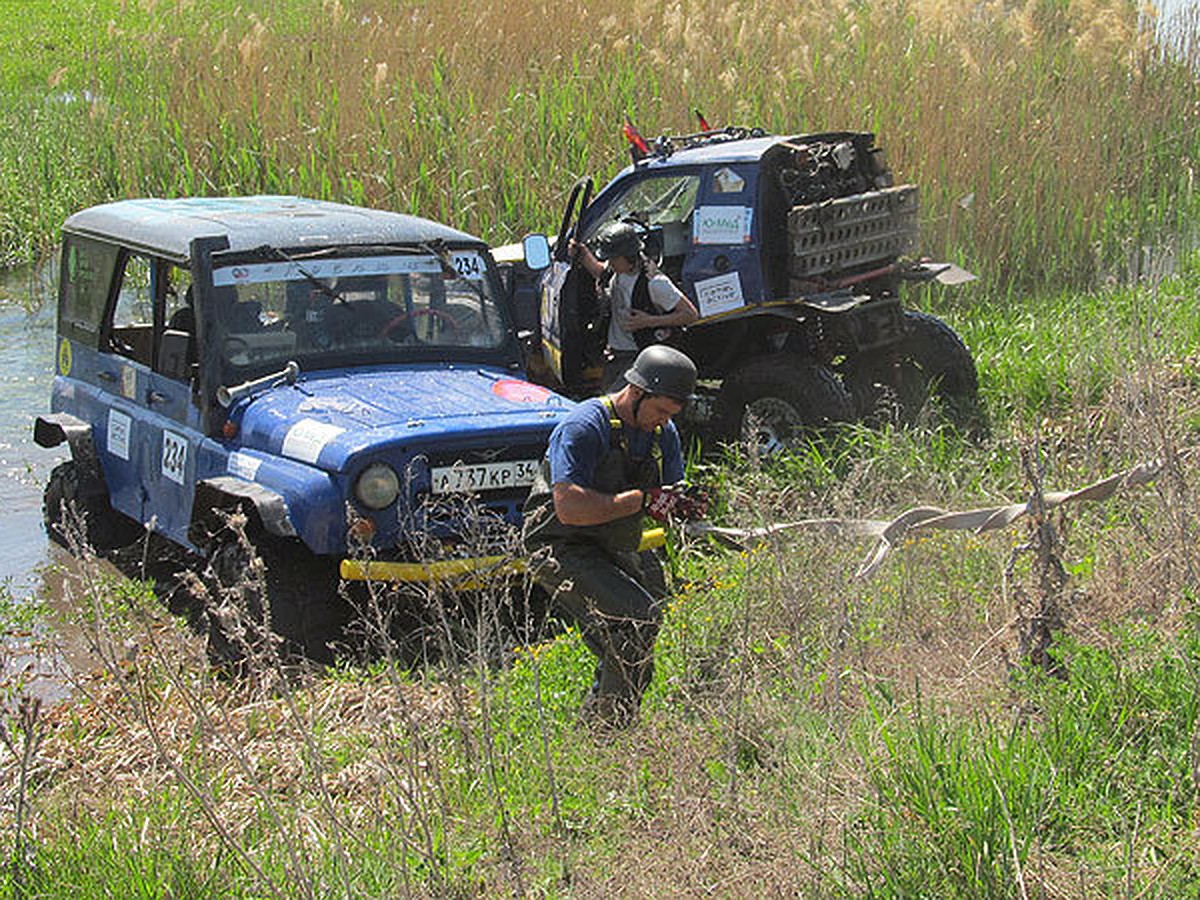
x,y
519,391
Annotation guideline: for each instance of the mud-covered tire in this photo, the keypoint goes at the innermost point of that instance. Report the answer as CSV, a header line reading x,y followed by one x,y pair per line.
x,y
775,402
103,528
268,600
931,363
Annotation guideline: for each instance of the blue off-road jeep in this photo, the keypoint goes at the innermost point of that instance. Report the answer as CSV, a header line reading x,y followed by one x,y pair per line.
x,y
345,378
794,249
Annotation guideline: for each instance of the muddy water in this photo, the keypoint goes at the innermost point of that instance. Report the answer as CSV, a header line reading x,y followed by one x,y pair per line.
x,y
26,368
29,663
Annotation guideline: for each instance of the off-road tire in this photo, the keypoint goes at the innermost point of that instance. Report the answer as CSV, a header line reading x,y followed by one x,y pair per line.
x,y
931,363
779,400
104,528
247,577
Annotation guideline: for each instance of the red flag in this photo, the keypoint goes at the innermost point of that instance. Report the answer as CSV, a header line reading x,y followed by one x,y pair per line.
x,y
703,124
638,146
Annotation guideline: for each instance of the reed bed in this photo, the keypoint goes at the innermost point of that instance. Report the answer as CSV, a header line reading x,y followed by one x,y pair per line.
x,y
1052,141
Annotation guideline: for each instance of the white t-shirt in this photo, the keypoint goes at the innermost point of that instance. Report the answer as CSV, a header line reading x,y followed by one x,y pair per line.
x,y
663,295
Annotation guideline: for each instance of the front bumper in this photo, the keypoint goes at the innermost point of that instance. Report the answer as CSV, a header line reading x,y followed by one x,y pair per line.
x,y
464,574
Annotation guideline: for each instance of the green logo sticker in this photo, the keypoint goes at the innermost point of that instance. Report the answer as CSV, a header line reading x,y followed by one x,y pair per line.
x,y
64,357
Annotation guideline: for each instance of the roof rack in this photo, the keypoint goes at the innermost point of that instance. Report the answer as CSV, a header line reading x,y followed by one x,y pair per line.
x,y
665,145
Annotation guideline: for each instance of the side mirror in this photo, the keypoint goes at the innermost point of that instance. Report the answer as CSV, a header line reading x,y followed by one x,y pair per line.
x,y
537,252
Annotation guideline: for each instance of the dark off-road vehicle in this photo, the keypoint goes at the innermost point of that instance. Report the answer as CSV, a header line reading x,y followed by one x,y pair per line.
x,y
794,250
346,378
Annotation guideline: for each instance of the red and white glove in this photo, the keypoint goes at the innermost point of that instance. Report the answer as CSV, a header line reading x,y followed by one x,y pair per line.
x,y
693,503
675,501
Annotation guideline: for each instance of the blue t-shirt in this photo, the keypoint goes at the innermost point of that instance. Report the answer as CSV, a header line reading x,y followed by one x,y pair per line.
x,y
580,441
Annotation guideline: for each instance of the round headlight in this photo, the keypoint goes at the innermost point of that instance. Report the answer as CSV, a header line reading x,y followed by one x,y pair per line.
x,y
377,486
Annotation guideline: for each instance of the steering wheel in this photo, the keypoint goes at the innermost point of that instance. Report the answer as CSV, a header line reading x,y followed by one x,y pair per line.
x,y
582,187
440,314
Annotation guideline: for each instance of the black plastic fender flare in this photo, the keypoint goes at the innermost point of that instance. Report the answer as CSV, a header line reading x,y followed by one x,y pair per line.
x,y
267,508
55,429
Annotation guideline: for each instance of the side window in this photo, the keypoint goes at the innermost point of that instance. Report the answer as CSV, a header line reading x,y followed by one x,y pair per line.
x,y
179,314
132,332
177,353
87,273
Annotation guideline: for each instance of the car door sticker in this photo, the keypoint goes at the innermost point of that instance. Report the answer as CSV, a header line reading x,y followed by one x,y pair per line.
x,y
243,465
174,456
722,225
719,294
117,440
727,181
128,382
307,438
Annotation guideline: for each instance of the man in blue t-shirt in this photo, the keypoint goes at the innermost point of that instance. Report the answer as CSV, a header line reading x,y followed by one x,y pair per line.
x,y
611,461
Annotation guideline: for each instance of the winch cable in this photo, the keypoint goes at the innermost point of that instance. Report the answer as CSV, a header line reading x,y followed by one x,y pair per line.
x,y
891,534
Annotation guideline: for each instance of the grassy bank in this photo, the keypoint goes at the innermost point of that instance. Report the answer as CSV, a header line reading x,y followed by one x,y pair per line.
x,y
1052,141
808,731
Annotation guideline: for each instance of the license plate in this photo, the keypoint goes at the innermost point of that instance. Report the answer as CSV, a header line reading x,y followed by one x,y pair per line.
x,y
464,478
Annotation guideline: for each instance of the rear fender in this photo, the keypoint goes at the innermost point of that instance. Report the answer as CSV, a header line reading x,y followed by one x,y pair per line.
x,y
55,429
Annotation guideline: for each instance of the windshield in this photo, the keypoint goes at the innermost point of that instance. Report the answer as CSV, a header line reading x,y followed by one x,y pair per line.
x,y
347,310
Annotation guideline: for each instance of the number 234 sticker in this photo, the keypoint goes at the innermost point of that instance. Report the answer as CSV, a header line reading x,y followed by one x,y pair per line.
x,y
174,456
469,266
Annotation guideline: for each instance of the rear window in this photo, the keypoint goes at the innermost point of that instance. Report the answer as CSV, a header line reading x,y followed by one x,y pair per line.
x,y
87,273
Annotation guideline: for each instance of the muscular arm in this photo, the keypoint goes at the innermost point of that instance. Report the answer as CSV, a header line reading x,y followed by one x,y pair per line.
x,y
576,505
684,313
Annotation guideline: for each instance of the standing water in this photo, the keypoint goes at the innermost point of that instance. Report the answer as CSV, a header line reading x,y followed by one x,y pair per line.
x,y
26,369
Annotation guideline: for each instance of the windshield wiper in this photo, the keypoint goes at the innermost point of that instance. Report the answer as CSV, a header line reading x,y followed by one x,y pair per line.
x,y
440,252
308,276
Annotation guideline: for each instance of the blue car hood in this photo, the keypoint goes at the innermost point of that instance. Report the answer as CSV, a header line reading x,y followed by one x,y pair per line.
x,y
326,418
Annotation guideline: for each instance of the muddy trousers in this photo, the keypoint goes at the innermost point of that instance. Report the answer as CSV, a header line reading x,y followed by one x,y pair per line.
x,y
616,600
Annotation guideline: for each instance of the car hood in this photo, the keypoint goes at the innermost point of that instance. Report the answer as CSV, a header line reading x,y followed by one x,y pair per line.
x,y
327,418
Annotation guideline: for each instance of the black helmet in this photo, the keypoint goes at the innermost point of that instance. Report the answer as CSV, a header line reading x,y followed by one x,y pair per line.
x,y
618,239
663,370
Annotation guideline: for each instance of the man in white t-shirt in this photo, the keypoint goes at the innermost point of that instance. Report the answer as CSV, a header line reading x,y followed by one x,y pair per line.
x,y
645,305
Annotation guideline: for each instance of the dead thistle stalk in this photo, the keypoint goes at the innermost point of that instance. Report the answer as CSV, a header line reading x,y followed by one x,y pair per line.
x,y
22,739
1039,619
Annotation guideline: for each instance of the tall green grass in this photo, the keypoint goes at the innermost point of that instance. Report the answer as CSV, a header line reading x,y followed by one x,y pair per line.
x,y
1052,141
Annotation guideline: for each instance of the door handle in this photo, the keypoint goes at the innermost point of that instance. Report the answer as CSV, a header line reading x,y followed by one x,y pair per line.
x,y
110,377
157,397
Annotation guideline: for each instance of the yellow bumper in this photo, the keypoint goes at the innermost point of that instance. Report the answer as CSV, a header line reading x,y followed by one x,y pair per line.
x,y
469,571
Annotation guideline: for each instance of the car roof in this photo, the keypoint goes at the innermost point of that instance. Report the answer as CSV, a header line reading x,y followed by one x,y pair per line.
x,y
722,149
166,227
731,151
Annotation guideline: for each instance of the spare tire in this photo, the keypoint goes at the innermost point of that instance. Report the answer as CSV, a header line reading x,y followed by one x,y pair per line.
x,y
777,401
